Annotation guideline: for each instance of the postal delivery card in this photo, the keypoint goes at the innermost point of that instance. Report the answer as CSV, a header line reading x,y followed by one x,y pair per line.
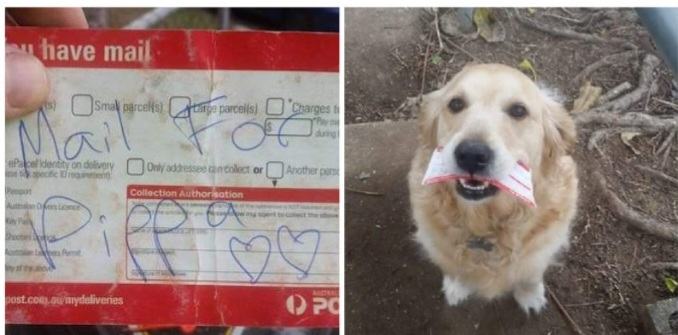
x,y
176,177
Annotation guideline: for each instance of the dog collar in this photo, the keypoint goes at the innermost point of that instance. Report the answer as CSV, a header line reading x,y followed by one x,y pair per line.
x,y
481,243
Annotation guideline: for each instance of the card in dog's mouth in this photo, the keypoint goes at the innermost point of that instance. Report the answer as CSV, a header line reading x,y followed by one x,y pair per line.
x,y
517,182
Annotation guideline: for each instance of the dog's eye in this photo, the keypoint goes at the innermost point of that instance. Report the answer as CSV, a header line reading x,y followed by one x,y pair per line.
x,y
457,105
517,111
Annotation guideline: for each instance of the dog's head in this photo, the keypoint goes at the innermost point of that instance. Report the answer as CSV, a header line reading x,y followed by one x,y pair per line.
x,y
492,116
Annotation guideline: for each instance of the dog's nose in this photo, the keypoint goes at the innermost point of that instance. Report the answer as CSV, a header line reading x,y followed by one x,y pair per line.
x,y
473,156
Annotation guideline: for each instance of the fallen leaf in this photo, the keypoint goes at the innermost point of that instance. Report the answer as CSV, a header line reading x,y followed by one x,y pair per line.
x,y
626,138
526,66
671,284
588,96
531,11
489,28
436,59
364,175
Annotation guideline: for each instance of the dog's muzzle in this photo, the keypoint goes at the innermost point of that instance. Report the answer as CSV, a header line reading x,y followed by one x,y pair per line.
x,y
474,157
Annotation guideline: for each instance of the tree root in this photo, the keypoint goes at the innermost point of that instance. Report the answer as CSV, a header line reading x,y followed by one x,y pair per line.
x,y
645,86
658,174
596,137
611,113
665,265
623,57
615,92
564,32
666,144
602,134
633,119
666,103
634,218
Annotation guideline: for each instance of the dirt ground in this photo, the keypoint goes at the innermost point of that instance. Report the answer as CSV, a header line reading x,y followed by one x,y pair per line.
x,y
605,277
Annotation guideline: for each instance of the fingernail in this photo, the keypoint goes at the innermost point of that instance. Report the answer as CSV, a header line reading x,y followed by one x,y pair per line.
x,y
26,83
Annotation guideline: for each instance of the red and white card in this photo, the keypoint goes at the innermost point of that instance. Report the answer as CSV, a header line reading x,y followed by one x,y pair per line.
x,y
176,177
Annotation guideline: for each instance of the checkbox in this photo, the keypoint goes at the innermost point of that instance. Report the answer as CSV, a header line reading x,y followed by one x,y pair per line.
x,y
275,106
274,170
178,106
135,166
82,105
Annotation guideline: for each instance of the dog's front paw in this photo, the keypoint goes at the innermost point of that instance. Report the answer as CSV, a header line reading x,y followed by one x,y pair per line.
x,y
455,292
530,297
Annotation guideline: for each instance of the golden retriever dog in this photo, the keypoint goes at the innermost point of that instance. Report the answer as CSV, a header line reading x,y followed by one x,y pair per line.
x,y
486,241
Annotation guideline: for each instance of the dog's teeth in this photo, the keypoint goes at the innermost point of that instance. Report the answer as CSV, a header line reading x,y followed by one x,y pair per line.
x,y
478,187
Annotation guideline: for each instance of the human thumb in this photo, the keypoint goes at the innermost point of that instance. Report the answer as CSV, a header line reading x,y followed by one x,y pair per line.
x,y
26,83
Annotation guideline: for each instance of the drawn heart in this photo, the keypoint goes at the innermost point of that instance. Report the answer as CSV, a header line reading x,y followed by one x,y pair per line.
x,y
300,240
249,245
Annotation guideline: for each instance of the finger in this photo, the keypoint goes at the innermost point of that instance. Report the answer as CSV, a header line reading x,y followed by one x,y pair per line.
x,y
26,83
49,17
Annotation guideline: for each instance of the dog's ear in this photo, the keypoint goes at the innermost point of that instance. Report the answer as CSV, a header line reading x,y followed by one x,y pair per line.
x,y
560,135
428,120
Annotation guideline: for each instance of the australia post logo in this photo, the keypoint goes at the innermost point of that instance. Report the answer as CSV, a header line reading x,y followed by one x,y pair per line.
x,y
296,304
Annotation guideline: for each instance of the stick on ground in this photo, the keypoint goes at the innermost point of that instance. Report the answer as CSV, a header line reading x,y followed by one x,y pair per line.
x,y
376,194
564,313
475,58
437,24
423,71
